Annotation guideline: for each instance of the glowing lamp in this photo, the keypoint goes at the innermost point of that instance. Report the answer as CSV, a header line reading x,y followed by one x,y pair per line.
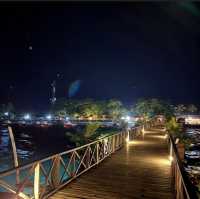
x,y
171,158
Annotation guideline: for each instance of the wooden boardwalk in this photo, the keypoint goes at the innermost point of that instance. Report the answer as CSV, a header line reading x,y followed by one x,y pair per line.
x,y
139,170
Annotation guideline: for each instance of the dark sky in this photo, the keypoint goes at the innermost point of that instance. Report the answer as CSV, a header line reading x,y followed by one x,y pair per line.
x,y
120,50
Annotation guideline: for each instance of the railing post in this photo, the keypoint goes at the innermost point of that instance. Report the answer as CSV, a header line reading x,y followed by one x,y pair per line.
x,y
177,184
105,144
173,164
87,158
37,181
135,133
123,137
171,151
181,188
118,141
97,152
16,163
113,143
110,145
128,136
73,165
121,141
55,173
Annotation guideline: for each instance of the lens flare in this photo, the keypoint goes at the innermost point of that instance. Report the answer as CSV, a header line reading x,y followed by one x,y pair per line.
x,y
74,88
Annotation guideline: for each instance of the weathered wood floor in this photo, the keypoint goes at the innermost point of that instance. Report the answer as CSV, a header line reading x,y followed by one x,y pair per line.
x,y
139,170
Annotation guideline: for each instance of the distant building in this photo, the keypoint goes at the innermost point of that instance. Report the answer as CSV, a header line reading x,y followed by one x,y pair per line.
x,y
189,119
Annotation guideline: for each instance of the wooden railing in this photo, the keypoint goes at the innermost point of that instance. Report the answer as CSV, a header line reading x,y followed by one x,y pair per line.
x,y
42,178
182,185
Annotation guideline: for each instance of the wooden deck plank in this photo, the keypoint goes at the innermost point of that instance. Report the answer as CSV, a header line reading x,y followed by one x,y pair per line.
x,y
139,170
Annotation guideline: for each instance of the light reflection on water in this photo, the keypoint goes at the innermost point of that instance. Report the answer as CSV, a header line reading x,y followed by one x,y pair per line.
x,y
192,154
25,149
4,140
35,142
32,143
5,152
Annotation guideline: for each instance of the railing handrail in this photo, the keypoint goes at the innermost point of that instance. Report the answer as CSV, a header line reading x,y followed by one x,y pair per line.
x,y
71,163
52,173
190,192
26,165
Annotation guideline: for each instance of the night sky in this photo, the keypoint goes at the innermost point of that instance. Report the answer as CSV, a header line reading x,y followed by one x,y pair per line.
x,y
119,50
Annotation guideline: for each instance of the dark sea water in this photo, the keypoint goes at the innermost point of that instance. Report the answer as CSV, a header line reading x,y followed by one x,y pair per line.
x,y
32,143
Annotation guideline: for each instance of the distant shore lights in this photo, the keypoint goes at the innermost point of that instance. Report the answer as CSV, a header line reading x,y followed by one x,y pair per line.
x,y
6,113
49,117
127,118
27,117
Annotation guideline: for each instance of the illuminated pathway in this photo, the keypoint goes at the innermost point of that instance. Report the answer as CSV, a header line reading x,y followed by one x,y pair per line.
x,y
139,170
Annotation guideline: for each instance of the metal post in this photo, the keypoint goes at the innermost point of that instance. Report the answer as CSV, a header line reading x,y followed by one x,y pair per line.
x,y
55,174
97,154
74,165
128,136
87,158
16,163
113,143
37,181
171,150
143,131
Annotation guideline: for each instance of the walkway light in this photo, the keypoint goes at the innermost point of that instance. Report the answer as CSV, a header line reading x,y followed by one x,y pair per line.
x,y
127,118
143,130
171,152
171,158
127,139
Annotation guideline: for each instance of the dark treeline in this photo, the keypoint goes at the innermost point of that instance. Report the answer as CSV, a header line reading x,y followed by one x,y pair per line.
x,y
108,109
115,109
